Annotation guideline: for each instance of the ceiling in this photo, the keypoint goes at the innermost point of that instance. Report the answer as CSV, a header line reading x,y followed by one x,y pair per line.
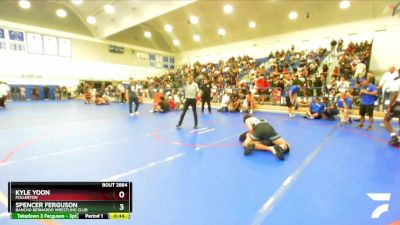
x,y
133,17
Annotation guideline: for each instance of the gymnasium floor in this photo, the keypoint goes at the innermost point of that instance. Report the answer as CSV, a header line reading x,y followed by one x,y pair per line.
x,y
201,177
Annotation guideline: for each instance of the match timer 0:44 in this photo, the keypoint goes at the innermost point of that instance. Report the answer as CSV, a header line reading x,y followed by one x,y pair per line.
x,y
70,200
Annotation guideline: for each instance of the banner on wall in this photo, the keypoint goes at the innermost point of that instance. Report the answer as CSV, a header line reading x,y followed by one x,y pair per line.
x,y
2,39
17,40
50,45
152,60
34,43
64,46
142,56
159,61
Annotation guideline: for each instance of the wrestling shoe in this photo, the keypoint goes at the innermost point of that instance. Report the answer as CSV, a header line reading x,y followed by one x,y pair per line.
x,y
370,128
136,113
394,141
360,126
279,152
178,126
249,148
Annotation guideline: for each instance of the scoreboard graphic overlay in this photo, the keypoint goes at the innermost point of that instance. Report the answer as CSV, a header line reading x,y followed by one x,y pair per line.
x,y
70,200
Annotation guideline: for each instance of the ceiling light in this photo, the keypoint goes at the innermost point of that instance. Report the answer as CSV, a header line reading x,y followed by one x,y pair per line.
x,y
293,15
77,2
61,13
109,9
228,9
344,4
91,20
25,4
176,42
196,38
252,24
168,28
147,34
221,32
194,19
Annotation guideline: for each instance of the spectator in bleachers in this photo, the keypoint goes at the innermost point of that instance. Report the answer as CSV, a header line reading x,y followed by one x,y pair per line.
x,y
371,78
360,69
343,85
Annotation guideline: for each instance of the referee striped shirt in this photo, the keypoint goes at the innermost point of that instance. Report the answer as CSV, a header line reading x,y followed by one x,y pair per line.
x,y
191,90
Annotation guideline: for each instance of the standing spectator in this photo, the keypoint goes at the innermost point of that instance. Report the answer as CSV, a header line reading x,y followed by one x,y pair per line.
x,y
345,104
23,92
368,94
340,45
132,97
318,86
206,95
57,92
122,97
4,92
393,111
291,97
15,92
324,77
333,46
35,93
191,91
385,82
46,92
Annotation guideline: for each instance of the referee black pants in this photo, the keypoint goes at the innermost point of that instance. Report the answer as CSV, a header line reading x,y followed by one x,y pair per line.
x,y
189,102
133,100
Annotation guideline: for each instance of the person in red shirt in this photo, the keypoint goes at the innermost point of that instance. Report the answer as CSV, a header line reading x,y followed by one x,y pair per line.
x,y
156,100
260,88
171,102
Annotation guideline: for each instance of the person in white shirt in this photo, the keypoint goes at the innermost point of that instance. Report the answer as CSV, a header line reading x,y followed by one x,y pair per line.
x,y
224,103
121,89
393,111
4,92
191,92
343,85
385,83
360,70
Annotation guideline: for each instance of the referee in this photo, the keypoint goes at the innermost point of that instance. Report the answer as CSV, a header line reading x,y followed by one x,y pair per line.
x,y
191,90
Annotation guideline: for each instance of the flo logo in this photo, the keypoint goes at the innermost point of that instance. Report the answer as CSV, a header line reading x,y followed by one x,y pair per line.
x,y
380,197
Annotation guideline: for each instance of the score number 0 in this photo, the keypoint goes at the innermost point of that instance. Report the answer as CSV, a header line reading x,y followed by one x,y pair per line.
x,y
121,195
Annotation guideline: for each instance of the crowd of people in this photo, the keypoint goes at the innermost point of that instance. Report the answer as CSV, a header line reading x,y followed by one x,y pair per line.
x,y
288,77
